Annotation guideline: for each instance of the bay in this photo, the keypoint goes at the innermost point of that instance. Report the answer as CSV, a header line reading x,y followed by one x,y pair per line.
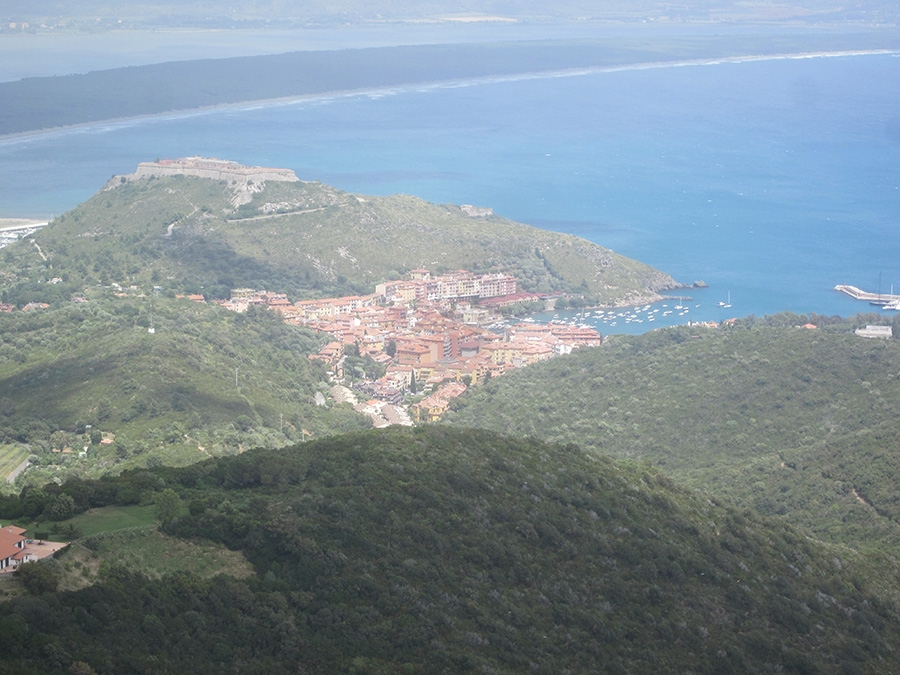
x,y
770,180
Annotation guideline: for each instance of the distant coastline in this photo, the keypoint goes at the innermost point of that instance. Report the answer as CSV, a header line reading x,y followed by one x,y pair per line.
x,y
693,170
389,90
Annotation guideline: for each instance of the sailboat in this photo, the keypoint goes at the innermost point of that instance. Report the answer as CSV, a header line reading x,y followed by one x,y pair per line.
x,y
726,304
893,302
881,302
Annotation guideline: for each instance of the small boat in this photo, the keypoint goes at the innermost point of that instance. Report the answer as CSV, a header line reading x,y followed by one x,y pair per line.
x,y
726,304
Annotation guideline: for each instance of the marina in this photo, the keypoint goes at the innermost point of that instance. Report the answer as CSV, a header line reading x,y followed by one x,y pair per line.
x,y
670,311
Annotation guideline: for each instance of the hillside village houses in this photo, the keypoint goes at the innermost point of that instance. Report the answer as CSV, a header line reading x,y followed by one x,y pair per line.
x,y
427,331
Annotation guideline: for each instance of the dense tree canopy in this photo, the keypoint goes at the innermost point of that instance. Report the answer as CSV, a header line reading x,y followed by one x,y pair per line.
x,y
793,422
439,550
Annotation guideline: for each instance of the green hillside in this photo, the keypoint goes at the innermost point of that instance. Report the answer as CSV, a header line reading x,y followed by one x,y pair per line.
x,y
438,550
797,423
78,373
185,234
207,382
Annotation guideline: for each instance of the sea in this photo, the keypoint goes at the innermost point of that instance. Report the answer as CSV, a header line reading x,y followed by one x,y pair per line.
x,y
771,180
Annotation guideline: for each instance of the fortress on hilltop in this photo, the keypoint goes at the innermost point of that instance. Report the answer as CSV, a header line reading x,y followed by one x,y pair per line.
x,y
216,169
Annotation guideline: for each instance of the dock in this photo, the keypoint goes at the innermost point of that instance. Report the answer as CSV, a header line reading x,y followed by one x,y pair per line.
x,y
859,294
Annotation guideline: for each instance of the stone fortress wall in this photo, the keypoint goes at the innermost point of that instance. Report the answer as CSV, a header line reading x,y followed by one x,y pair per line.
x,y
215,169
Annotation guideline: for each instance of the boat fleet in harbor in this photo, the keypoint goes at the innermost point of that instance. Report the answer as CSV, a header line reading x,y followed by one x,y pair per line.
x,y
666,313
675,311
613,317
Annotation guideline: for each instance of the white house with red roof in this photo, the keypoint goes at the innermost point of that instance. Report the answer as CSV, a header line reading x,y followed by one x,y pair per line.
x,y
12,547
15,549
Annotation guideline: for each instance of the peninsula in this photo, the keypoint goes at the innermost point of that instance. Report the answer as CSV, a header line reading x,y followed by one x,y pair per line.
x,y
199,225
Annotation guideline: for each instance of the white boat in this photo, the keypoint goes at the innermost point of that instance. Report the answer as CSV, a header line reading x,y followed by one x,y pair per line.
x,y
726,304
892,304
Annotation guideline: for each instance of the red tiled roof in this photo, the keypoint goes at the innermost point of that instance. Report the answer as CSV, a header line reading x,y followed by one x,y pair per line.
x,y
10,537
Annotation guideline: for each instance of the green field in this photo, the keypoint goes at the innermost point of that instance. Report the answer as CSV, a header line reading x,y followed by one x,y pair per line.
x,y
148,552
110,518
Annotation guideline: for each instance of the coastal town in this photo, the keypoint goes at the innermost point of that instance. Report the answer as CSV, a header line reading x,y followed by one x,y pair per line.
x,y
428,336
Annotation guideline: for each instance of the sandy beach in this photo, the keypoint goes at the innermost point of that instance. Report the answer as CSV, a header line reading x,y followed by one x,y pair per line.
x,y
11,223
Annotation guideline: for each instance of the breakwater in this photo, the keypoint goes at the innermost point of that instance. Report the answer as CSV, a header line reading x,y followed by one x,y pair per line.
x,y
859,294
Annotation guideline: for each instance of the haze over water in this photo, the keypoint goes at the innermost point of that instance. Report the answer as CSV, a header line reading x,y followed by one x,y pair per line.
x,y
771,181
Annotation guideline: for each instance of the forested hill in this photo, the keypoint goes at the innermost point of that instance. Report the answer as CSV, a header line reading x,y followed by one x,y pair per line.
x,y
197,235
206,381
91,377
437,550
793,422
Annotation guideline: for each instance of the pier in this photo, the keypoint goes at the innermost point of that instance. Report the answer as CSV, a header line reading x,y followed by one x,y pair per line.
x,y
859,294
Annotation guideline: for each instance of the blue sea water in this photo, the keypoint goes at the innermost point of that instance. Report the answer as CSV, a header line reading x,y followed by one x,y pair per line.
x,y
770,180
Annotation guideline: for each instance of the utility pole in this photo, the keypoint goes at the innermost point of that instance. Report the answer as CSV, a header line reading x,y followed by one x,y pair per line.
x,y
235,377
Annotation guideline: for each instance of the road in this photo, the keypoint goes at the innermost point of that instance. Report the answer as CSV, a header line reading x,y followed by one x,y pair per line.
x,y
11,478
